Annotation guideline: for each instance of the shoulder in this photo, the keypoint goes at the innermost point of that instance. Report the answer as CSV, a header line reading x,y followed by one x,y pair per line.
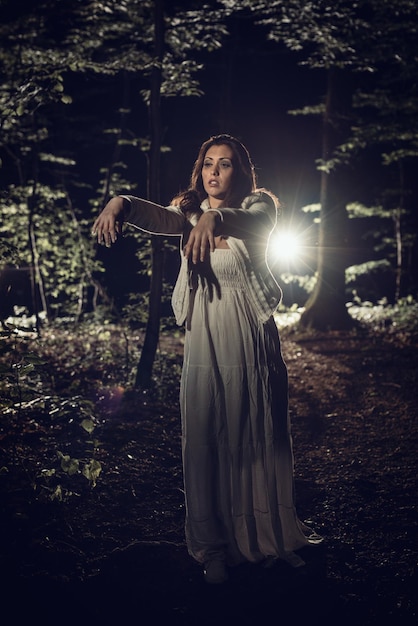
x,y
261,196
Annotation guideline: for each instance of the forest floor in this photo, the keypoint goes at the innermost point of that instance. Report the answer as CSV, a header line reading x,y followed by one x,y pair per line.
x,y
87,549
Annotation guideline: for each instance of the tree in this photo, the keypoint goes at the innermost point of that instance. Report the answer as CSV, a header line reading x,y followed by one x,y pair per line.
x,y
385,112
175,36
31,91
152,44
340,42
325,307
169,38
144,370
323,36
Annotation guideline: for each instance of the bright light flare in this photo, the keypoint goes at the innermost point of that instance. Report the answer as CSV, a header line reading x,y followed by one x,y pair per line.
x,y
285,246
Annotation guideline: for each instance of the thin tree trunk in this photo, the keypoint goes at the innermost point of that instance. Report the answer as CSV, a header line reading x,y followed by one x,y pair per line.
x,y
117,147
145,365
37,283
397,219
87,277
36,280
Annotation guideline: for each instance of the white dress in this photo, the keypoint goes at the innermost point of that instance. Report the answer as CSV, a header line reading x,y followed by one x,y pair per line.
x,y
237,450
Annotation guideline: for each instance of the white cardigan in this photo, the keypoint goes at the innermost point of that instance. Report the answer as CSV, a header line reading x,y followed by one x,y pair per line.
x,y
247,228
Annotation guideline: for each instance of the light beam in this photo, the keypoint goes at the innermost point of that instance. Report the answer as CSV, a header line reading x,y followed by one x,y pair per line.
x,y
285,246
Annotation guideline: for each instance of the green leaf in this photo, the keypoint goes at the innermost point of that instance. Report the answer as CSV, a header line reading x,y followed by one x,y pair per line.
x,y
88,425
24,369
48,472
92,471
68,465
35,359
57,494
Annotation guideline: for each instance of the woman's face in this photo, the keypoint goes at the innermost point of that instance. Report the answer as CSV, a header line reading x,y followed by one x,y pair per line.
x,y
217,171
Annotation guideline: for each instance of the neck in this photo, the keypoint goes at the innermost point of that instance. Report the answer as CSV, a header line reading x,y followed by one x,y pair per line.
x,y
215,203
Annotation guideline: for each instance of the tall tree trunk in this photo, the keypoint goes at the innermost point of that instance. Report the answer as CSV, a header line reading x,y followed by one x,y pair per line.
x,y
145,365
37,283
123,115
397,220
326,307
87,279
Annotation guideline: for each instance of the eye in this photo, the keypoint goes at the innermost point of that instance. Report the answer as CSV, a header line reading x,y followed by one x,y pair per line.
x,y
226,164
207,163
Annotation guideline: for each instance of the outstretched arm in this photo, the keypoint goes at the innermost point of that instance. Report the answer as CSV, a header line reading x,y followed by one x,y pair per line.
x,y
255,219
143,214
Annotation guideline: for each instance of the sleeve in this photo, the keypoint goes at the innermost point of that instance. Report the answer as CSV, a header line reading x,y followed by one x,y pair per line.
x,y
153,218
257,216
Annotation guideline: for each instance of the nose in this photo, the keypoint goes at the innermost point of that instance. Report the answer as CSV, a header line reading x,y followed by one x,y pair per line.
x,y
215,168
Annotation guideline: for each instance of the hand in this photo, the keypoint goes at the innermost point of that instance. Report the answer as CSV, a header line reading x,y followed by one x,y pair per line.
x,y
108,225
201,237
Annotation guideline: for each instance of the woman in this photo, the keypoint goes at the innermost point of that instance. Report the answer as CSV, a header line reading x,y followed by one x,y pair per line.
x,y
236,442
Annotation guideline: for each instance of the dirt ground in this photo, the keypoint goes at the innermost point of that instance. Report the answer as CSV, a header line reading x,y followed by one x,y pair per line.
x,y
115,553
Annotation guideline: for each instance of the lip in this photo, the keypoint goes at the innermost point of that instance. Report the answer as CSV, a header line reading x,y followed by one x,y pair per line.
x,y
213,182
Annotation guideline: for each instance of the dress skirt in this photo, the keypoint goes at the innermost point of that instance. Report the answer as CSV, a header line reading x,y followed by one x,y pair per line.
x,y
236,441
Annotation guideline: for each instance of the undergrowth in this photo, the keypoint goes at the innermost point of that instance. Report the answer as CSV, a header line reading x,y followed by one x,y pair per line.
x,y
74,378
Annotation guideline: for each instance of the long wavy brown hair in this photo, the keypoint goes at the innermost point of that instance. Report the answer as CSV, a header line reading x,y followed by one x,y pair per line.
x,y
243,178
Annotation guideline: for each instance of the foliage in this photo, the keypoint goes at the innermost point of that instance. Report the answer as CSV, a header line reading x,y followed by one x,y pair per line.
x,y
76,382
366,269
386,103
324,33
397,322
55,58
400,319
73,382
65,258
39,223
373,44
296,287
26,386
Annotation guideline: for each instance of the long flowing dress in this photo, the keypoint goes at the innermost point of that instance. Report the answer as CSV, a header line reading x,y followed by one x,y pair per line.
x,y
236,441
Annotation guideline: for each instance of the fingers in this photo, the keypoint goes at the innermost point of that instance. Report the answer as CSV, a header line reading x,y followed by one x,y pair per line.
x,y
106,229
107,226
197,248
106,232
201,240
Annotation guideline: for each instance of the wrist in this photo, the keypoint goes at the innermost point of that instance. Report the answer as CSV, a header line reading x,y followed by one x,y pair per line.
x,y
218,215
217,218
118,205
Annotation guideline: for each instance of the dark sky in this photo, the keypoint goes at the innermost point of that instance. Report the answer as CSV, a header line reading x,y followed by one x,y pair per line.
x,y
250,99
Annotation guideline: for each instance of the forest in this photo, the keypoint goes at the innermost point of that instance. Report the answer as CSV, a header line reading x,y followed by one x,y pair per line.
x,y
105,97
